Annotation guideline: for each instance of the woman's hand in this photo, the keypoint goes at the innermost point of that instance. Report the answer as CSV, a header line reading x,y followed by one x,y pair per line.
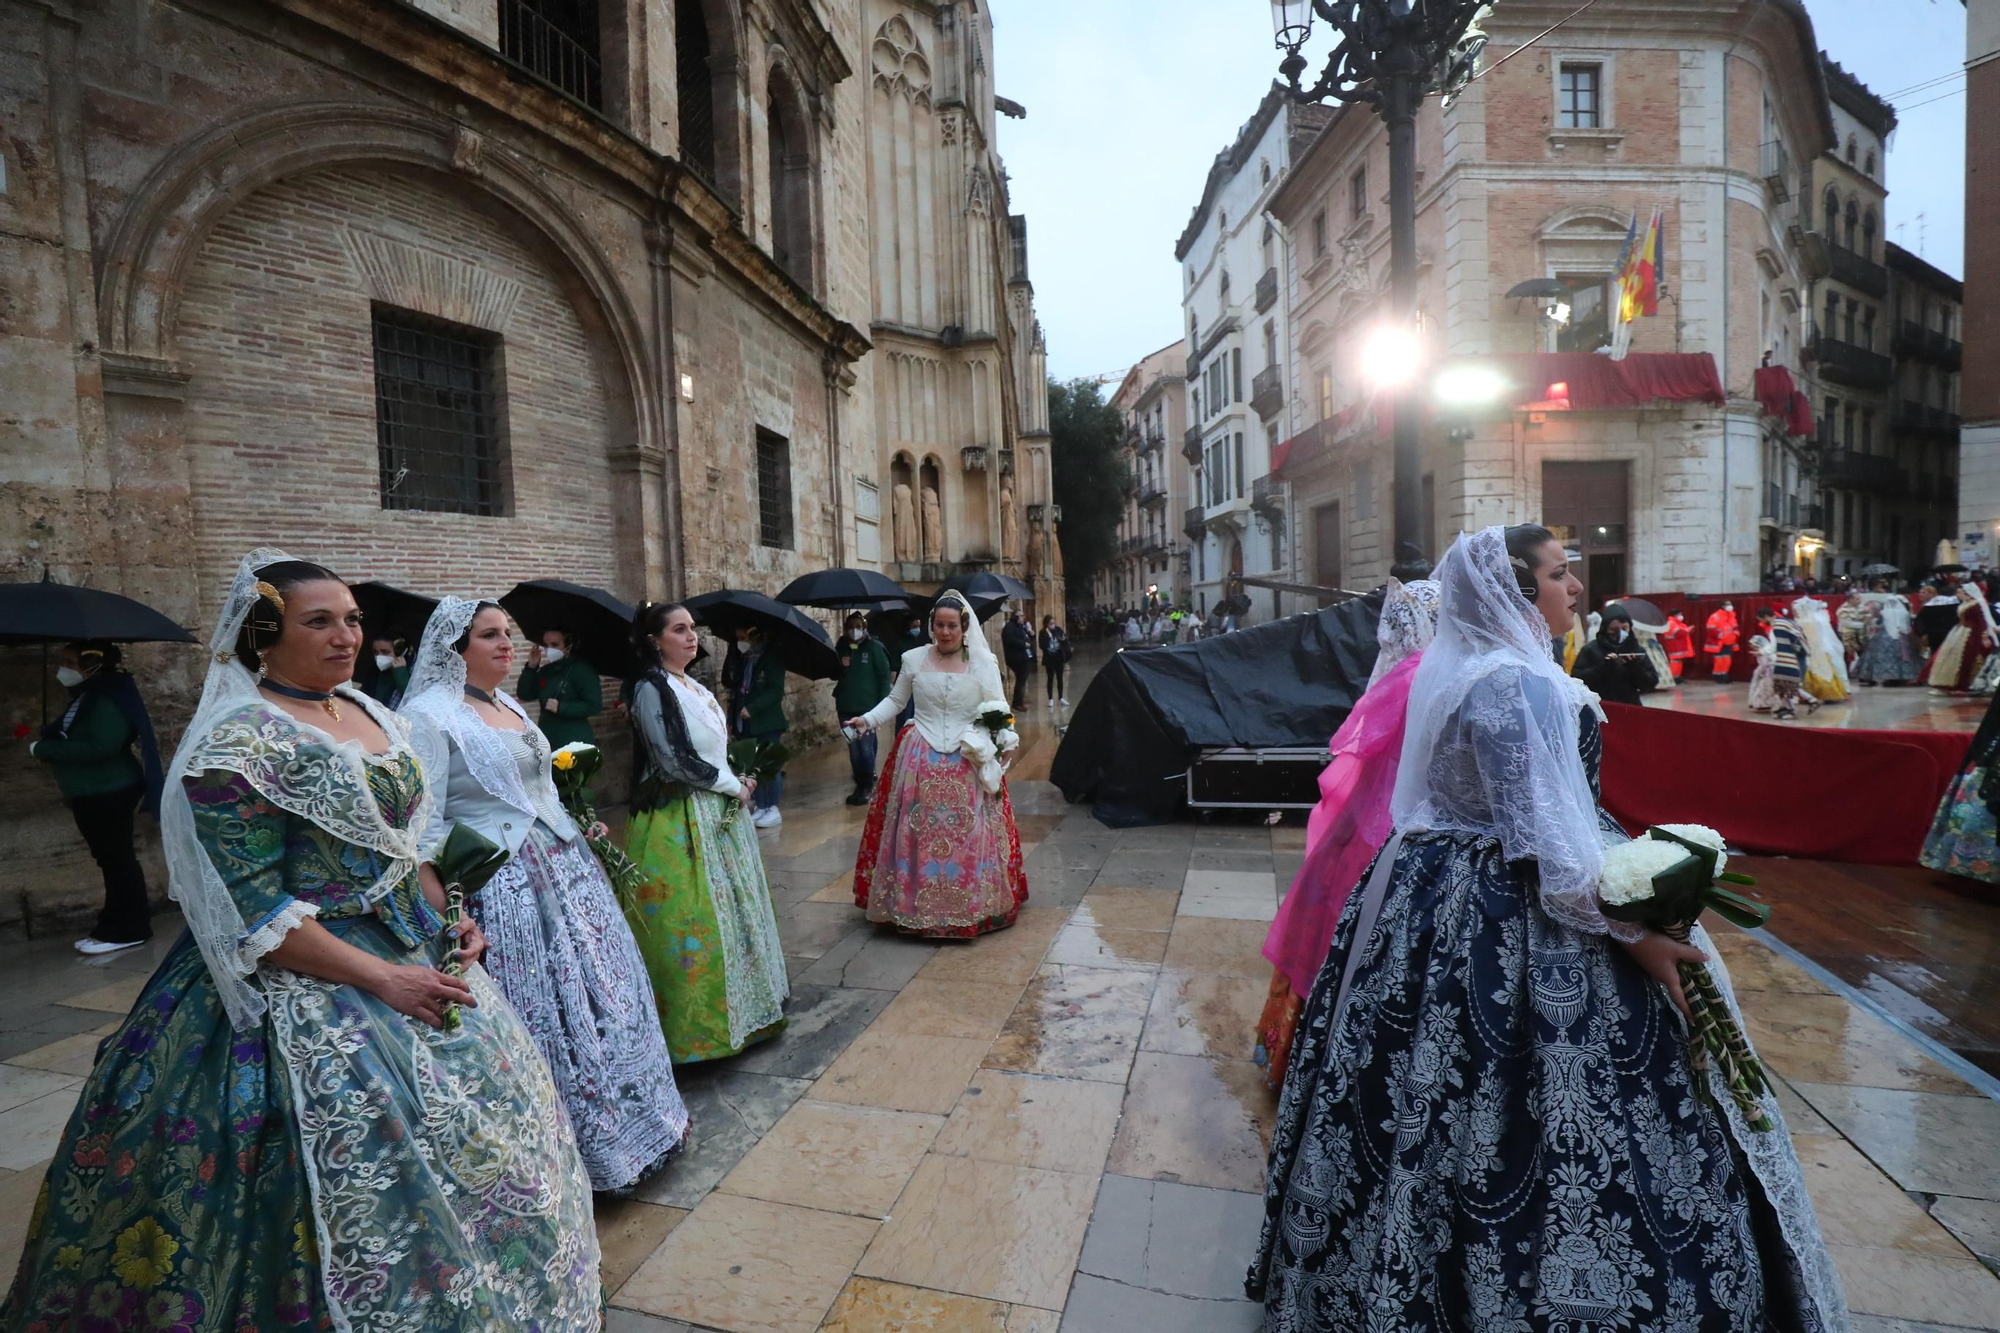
x,y
1661,957
859,724
597,832
471,941
746,789
423,992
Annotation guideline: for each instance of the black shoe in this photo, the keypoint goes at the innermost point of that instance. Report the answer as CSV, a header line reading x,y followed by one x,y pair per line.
x,y
860,797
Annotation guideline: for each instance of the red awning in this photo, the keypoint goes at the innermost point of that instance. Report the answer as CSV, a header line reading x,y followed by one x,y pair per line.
x,y
1592,381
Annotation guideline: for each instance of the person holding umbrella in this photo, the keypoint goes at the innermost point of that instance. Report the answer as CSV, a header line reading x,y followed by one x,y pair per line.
x,y
1017,641
760,712
105,784
865,680
565,685
702,911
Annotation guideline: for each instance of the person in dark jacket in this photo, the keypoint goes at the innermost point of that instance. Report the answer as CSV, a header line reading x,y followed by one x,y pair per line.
x,y
104,784
566,686
1054,646
760,713
1017,645
1614,664
866,678
390,659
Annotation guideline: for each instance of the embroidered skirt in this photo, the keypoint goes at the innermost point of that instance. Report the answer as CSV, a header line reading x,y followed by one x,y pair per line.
x,y
705,926
940,856
1962,837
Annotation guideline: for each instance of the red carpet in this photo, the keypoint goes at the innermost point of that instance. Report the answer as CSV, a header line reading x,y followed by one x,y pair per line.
x,y
1834,795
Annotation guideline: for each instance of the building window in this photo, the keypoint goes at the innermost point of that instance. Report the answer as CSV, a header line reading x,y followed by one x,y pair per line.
x,y
1319,234
437,415
1326,545
1236,374
1847,419
1868,233
1868,328
1850,150
790,154
556,41
1241,484
1832,205
1871,162
1323,394
1847,323
1867,430
1853,221
694,88
774,490
1357,193
1827,420
1270,342
1579,103
1264,172
1589,326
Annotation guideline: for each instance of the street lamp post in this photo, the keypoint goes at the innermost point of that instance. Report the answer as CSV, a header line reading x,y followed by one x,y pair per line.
x,y
1389,54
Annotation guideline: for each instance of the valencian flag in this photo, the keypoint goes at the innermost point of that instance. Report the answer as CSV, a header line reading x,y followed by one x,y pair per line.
x,y
1638,280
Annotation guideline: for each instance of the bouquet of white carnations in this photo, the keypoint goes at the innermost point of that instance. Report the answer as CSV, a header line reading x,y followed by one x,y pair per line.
x,y
1664,879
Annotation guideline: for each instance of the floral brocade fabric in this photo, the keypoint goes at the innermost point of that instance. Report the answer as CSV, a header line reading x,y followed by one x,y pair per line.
x,y
1962,837
336,1166
939,856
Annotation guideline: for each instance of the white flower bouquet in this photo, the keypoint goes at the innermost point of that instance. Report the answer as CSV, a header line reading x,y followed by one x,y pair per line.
x,y
1664,879
990,739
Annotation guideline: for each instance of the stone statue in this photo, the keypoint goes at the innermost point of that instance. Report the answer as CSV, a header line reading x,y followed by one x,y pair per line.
x,y
1010,526
933,526
1037,550
903,522
1055,552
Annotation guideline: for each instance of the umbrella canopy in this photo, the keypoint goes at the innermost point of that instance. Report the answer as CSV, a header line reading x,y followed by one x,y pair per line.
x,y
1950,569
844,589
984,605
1644,615
986,583
599,624
1878,570
51,612
1540,287
394,613
799,640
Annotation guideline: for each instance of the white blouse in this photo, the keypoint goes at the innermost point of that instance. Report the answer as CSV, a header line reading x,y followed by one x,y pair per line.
x,y
947,702
708,730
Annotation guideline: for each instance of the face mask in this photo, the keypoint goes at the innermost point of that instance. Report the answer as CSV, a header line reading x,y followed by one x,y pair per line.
x,y
743,645
382,661
69,677
856,635
1624,634
552,655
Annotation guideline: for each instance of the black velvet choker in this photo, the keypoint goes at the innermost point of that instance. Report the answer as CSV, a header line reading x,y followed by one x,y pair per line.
x,y
324,698
474,692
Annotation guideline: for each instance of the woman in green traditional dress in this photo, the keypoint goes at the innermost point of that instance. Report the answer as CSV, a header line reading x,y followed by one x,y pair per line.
x,y
283,1133
703,916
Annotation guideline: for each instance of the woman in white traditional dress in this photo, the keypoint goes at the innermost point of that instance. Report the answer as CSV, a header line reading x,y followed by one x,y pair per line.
x,y
287,1132
940,854
1826,656
1887,656
561,949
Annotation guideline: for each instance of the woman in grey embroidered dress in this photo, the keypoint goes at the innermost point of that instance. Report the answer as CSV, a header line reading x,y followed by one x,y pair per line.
x,y
1489,1121
560,947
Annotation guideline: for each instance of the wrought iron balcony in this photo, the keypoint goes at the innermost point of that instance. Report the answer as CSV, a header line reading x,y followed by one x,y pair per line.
x,y
1132,434
1777,169
1845,363
1922,421
1267,391
551,52
1152,443
1267,289
1858,271
1153,543
1191,444
1915,341
1193,522
1193,369
1267,497
1152,492
1858,471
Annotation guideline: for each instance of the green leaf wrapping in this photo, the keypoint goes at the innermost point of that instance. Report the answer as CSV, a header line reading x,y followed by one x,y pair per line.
x,y
466,862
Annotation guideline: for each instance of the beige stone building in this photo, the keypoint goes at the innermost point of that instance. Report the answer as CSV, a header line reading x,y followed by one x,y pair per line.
x,y
1537,172
1150,553
657,297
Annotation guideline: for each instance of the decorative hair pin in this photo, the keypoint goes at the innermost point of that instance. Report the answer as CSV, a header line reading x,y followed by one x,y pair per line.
x,y
1520,563
271,595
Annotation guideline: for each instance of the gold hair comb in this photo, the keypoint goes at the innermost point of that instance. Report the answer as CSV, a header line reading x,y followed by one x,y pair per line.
x,y
271,595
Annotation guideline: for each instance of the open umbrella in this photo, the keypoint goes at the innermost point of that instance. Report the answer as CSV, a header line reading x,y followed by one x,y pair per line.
x,y
1879,570
984,605
391,612
51,612
986,583
599,624
1644,614
843,589
799,640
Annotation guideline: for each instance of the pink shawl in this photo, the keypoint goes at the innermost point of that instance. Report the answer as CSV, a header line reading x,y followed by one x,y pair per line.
x,y
1347,827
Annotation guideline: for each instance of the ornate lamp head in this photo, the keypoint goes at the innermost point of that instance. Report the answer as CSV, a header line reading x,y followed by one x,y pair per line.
x,y
1439,41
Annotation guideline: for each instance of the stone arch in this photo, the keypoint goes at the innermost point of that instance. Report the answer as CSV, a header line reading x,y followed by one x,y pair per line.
x,y
900,66
1851,150
1831,203
175,208
790,159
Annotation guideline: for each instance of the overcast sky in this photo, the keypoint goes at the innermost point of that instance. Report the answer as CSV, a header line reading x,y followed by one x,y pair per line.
x,y
1129,101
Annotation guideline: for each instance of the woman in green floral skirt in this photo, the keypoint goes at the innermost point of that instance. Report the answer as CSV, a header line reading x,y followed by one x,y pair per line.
x,y
1963,834
283,1134
703,916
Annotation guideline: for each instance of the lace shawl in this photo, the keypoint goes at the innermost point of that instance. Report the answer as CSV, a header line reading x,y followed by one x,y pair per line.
x,y
663,752
436,702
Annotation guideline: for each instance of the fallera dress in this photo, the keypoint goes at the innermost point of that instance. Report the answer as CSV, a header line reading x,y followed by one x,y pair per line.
x,y
1963,836
940,854
703,915
1502,1133
335,1165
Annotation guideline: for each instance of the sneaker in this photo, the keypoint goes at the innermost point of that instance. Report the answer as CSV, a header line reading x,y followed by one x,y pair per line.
x,y
767,818
90,944
1062,703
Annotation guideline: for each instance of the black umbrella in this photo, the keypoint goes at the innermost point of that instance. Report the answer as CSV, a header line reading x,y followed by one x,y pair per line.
x,y
984,605
599,625
51,612
839,589
393,613
1949,569
986,583
800,641
1539,287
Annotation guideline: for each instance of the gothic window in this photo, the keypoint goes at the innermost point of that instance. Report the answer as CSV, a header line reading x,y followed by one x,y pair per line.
x,y
1868,233
1850,150
774,489
1832,213
694,87
1264,172
1871,162
1853,220
1868,328
790,153
557,42
437,415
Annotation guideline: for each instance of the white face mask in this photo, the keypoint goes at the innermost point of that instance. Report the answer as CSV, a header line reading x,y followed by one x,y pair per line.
x,y
1623,635
743,645
856,635
69,677
552,655
383,661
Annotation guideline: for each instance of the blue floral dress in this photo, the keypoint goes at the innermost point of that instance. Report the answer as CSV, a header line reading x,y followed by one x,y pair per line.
x,y
1503,1134
338,1165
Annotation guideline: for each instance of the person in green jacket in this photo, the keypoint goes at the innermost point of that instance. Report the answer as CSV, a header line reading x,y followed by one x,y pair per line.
x,y
104,784
865,680
760,713
566,686
391,676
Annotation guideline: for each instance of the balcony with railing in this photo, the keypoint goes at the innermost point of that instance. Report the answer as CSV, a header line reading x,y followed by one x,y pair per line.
x,y
1152,492
1132,434
1151,442
1267,290
1194,522
1267,497
1191,444
1922,421
1267,391
1193,369
563,55
1847,363
1858,471
1153,543
1777,169
1856,270
1915,341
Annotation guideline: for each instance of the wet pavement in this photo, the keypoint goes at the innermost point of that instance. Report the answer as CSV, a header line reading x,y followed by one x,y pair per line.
x,y
1059,1126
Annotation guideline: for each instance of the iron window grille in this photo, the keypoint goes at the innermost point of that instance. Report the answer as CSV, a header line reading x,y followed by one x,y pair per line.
x,y
437,415
695,89
556,41
774,490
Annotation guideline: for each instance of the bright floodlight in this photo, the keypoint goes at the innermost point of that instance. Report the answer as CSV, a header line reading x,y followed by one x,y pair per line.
x,y
1390,356
1470,386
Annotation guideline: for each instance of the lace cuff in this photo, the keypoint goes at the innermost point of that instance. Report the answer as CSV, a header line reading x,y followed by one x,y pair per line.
x,y
269,933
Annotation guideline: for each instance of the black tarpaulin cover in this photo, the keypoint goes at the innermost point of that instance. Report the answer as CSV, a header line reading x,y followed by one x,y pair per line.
x,y
1150,712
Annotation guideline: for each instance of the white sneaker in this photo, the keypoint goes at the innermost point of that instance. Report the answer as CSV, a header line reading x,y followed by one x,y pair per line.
x,y
767,818
1062,703
90,944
